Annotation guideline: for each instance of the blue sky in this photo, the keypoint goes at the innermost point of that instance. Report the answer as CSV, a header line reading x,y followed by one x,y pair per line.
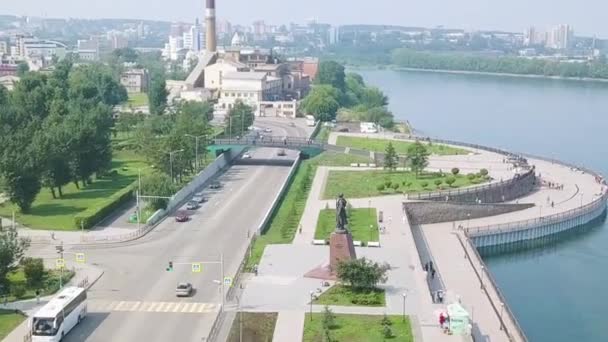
x,y
587,16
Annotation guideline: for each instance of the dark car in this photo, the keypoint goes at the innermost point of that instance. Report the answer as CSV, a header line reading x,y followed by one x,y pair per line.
x,y
215,185
181,216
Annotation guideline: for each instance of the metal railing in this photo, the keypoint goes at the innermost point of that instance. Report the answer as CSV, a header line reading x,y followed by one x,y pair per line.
x,y
493,284
539,221
271,141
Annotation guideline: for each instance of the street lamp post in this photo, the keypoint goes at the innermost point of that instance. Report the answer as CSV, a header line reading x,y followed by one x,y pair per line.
x,y
468,221
371,228
196,147
311,294
171,161
404,296
582,194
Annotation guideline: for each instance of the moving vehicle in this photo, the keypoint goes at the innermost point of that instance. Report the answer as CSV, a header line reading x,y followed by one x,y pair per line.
x,y
310,121
291,124
267,130
57,317
183,290
192,205
247,156
281,153
181,216
199,198
215,185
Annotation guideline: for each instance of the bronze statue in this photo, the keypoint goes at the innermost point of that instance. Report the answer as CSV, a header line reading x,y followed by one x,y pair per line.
x,y
341,217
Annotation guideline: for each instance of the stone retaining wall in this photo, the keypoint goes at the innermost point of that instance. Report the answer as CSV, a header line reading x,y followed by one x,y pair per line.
x,y
434,212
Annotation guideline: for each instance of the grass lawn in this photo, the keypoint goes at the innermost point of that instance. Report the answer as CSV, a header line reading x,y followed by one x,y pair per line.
x,y
50,283
284,223
58,214
379,145
359,184
357,328
9,320
138,99
359,223
257,326
344,295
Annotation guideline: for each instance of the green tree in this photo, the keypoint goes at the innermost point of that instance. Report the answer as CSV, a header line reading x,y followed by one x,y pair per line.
x,y
157,184
362,274
329,319
12,249
418,156
33,268
239,118
450,181
390,158
455,171
22,69
438,182
380,187
322,102
331,73
157,95
395,186
483,172
95,83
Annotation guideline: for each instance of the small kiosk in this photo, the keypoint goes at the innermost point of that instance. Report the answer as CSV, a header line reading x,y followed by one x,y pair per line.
x,y
459,319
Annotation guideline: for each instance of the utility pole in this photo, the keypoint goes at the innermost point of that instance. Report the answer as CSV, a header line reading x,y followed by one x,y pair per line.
x,y
60,252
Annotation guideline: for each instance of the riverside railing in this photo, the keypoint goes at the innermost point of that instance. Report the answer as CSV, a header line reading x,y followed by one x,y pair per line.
x,y
503,304
596,204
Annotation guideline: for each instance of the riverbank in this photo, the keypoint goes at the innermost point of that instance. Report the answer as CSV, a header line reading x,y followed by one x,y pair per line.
x,y
394,67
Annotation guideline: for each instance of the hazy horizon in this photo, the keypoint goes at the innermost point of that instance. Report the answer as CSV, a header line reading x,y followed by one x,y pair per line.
x,y
585,16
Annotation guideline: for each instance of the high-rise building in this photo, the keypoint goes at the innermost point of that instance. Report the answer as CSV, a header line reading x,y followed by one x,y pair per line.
x,y
334,35
560,37
193,39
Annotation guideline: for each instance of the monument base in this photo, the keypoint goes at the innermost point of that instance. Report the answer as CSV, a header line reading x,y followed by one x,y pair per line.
x,y
341,249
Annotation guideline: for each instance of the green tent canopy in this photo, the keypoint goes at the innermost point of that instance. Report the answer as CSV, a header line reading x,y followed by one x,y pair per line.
x,y
459,319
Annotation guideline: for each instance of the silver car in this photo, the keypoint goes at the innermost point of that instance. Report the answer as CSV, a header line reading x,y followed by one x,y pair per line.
x,y
183,290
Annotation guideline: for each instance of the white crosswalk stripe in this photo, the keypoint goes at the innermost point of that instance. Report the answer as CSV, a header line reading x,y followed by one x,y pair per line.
x,y
144,306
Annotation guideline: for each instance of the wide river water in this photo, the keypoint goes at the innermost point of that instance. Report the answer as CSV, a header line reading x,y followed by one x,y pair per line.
x,y
557,290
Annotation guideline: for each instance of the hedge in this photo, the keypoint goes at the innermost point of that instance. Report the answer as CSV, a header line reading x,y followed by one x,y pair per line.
x,y
90,217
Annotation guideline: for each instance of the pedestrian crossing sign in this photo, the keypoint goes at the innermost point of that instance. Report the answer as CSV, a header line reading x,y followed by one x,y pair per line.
x,y
227,281
197,267
80,258
59,263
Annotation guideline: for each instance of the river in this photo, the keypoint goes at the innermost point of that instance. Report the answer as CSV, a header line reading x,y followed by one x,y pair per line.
x,y
557,290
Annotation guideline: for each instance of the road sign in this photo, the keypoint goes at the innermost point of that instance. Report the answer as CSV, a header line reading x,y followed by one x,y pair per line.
x,y
197,267
228,281
80,258
59,263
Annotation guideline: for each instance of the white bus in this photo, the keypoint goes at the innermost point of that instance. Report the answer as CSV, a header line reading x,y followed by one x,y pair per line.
x,y
55,319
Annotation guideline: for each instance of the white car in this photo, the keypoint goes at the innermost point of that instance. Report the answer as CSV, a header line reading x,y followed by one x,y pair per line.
x,y
183,290
267,130
246,156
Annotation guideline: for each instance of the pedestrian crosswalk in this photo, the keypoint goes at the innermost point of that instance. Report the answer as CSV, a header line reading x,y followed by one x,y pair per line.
x,y
145,306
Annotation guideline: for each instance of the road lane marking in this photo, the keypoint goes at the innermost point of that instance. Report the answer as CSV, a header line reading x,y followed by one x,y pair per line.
x,y
160,307
119,306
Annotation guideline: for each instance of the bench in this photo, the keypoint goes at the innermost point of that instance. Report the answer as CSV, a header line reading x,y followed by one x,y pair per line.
x,y
319,242
373,244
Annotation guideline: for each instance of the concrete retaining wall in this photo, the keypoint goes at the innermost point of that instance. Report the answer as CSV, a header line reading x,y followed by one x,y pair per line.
x,y
191,188
436,212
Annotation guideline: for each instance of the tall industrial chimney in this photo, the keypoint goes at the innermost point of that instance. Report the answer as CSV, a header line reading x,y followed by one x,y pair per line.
x,y
211,44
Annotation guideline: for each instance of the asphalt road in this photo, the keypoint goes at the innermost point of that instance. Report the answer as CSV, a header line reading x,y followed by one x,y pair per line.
x,y
135,299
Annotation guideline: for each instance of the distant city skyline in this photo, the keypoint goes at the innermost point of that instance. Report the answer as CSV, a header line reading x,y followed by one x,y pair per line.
x,y
585,16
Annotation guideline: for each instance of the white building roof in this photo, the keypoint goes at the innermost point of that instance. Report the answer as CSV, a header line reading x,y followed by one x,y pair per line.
x,y
55,305
247,76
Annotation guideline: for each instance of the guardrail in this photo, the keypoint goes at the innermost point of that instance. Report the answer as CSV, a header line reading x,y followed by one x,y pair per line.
x,y
521,336
271,141
540,221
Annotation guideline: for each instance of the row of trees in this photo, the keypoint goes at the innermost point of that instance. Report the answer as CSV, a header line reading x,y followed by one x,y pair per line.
x,y
56,129
511,65
417,157
335,89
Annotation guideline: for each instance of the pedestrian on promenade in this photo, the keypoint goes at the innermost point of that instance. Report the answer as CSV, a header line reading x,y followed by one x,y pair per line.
x,y
426,267
440,296
37,296
300,229
442,320
552,204
431,264
433,274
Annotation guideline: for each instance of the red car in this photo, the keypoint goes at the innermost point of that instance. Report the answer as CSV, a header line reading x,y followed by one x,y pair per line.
x,y
181,216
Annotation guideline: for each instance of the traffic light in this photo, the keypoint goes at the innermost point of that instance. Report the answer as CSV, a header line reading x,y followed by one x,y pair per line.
x,y
170,268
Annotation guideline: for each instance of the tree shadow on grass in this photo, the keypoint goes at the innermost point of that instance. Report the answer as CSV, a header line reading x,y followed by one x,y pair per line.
x,y
55,209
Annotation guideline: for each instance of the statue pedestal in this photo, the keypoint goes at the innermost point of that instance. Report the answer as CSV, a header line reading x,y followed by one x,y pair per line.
x,y
341,248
